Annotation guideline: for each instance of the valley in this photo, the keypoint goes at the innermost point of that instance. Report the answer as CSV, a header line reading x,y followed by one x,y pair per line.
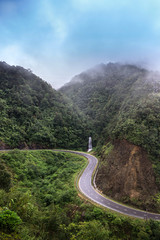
x,y
42,193
118,106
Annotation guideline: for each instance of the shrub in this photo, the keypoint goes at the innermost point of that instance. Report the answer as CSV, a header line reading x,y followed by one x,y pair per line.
x,y
9,220
5,180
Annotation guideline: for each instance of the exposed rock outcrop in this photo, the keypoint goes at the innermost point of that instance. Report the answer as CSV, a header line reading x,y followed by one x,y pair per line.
x,y
126,174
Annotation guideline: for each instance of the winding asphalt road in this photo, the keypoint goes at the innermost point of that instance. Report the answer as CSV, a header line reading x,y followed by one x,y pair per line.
x,y
86,188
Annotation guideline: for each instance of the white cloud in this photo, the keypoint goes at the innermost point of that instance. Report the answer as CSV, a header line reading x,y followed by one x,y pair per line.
x,y
56,22
46,68
15,55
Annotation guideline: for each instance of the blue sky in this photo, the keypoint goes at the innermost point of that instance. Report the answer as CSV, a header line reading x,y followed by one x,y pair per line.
x,y
57,39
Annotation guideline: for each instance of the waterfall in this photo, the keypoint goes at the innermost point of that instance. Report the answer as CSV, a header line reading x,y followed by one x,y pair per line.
x,y
90,144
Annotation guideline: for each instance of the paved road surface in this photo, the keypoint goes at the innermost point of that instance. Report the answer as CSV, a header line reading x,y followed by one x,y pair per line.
x,y
90,192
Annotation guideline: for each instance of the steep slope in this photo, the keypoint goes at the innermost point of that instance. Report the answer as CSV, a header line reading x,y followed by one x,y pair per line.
x,y
122,101
126,174
33,114
123,104
99,92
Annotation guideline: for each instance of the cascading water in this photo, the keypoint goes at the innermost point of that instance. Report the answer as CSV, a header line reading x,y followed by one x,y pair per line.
x,y
90,144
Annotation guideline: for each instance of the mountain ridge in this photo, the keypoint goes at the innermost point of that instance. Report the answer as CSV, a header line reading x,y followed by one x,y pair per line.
x,y
122,92
123,105
35,115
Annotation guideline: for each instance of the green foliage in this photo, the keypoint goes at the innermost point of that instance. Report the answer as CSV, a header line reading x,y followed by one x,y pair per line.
x,y
35,115
5,178
101,92
121,101
11,236
46,172
9,220
37,187
87,230
140,124
43,181
106,149
44,197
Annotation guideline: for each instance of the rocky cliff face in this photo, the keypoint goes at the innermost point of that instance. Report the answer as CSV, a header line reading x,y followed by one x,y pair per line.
x,y
126,174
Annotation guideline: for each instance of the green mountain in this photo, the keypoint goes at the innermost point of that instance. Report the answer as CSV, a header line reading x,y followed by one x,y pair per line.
x,y
35,115
37,196
122,102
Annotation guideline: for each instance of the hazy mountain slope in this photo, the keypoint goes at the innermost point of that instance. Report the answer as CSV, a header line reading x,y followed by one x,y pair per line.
x,y
34,114
122,101
123,104
100,92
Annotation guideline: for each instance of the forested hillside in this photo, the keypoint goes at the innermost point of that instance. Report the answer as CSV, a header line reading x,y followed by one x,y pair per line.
x,y
122,101
119,106
35,115
123,104
39,202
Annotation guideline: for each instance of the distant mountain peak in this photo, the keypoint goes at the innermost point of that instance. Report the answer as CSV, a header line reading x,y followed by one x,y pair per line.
x,y
105,71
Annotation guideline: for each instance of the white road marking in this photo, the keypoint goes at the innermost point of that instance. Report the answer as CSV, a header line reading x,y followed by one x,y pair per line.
x,y
86,178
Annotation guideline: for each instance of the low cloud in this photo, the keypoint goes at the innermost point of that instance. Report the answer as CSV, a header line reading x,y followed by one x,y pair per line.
x,y
54,21
46,68
59,39
15,55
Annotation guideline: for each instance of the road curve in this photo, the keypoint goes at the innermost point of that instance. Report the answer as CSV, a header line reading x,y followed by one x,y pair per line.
x,y
87,189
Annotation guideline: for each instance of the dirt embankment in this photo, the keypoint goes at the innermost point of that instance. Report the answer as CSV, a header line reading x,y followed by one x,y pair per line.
x,y
126,174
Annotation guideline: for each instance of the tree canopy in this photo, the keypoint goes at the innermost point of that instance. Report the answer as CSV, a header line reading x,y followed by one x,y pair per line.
x,y
121,101
35,115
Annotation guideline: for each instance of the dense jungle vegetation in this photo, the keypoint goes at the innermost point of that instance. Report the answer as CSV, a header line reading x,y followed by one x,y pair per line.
x,y
34,115
38,201
38,198
122,102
